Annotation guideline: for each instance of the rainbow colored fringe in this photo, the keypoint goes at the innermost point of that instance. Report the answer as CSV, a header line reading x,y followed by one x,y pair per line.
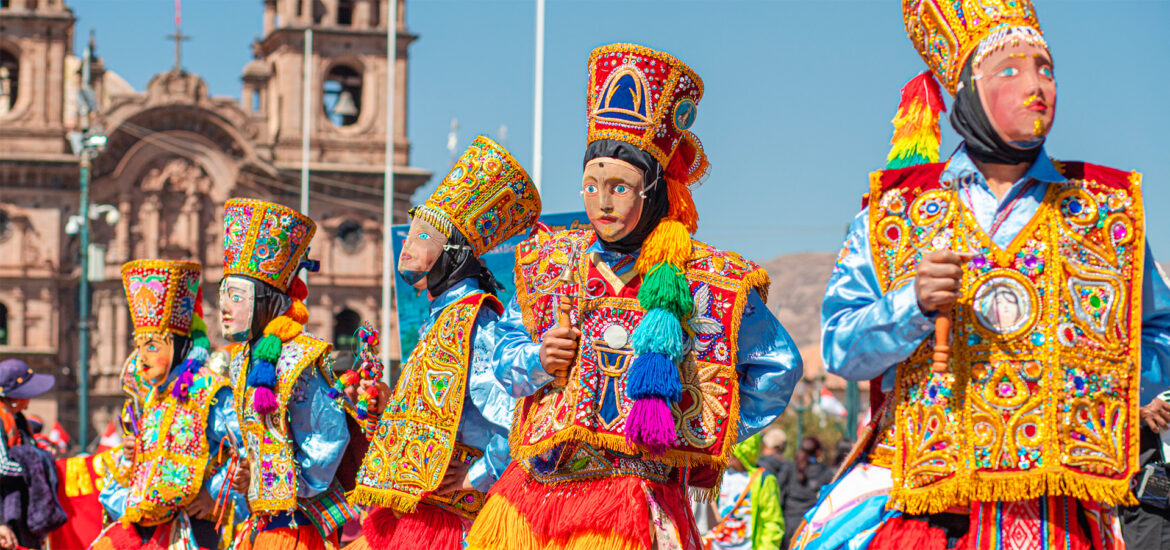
x,y
262,375
916,131
200,352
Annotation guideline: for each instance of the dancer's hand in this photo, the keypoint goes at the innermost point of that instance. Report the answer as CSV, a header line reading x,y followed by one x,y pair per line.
x,y
1156,415
455,479
128,446
7,537
938,280
557,349
243,476
202,506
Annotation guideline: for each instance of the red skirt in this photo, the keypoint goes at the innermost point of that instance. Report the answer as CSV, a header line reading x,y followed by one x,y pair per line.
x,y
426,528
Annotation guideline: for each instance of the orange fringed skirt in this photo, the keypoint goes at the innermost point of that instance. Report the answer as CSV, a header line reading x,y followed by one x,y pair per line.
x,y
428,527
615,513
304,537
119,536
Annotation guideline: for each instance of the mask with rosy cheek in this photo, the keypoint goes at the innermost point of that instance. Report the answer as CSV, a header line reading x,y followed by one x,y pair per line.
x,y
236,299
421,250
155,355
1017,90
612,191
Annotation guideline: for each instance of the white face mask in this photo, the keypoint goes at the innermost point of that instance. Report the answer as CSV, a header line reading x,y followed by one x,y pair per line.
x,y
237,297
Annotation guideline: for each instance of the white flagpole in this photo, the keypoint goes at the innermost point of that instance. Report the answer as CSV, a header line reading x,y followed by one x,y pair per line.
x,y
388,191
538,107
306,120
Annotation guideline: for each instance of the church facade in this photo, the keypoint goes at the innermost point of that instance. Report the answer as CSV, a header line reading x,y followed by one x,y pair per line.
x,y
174,154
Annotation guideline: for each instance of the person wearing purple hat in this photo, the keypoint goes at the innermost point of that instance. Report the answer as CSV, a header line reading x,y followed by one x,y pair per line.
x,y
27,488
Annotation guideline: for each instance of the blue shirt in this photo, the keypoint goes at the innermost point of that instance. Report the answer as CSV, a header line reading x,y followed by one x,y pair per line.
x,y
487,408
769,364
221,420
866,332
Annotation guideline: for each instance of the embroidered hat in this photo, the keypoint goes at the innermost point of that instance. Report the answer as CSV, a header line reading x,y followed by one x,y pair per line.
x,y
163,295
487,197
18,381
649,99
264,241
947,33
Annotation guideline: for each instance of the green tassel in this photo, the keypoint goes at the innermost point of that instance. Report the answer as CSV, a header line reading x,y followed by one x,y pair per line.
x,y
665,287
268,348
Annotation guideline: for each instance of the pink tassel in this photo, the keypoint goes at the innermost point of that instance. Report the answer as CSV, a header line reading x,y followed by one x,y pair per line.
x,y
182,386
651,425
264,401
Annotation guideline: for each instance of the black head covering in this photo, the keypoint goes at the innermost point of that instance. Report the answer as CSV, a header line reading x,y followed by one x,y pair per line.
x,y
458,262
268,304
984,144
656,205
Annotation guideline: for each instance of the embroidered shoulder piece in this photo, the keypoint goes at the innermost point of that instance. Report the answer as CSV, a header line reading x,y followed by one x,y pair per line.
x,y
415,439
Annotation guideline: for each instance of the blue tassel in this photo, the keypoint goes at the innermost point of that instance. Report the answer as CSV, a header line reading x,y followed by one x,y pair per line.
x,y
263,374
654,375
198,355
659,332
334,394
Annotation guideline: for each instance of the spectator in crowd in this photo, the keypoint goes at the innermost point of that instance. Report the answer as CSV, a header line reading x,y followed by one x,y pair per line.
x,y
801,484
748,514
840,453
28,477
772,455
1148,524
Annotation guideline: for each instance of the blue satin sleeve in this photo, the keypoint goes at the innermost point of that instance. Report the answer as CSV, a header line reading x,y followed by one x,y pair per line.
x,y
318,428
769,367
1155,331
865,332
517,358
487,407
113,498
223,428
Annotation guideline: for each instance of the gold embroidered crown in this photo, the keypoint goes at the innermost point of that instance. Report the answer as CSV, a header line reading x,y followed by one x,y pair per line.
x,y
163,295
648,99
264,241
947,32
487,198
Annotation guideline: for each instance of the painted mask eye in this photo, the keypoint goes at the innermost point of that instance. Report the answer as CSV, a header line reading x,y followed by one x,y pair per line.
x,y
591,189
621,189
1009,71
1047,72
423,236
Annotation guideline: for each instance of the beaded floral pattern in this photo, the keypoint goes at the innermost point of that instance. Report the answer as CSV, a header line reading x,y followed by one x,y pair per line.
x,y
593,407
264,241
487,197
947,32
267,437
161,294
171,454
415,439
1041,396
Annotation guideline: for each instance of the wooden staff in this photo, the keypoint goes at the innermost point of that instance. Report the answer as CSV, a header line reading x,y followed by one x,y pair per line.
x,y
942,341
564,306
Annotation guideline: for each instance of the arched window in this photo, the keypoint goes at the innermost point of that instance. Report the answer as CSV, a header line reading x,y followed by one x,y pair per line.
x,y
3,325
351,235
9,77
345,326
343,95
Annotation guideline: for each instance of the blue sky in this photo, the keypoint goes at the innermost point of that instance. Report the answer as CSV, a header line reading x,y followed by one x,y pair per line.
x,y
798,98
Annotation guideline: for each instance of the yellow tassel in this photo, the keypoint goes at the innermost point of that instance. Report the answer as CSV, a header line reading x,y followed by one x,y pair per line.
x,y
669,242
939,497
284,328
198,325
500,526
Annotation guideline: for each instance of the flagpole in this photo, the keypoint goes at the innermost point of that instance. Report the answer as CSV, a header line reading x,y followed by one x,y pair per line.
x,y
306,120
538,103
388,192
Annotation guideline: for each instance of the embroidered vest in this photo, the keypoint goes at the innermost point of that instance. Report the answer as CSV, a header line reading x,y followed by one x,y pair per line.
x,y
267,438
592,408
171,453
1041,396
415,440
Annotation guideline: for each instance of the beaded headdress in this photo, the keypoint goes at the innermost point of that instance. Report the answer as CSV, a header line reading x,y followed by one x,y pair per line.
x,y
947,34
264,241
487,198
165,298
162,295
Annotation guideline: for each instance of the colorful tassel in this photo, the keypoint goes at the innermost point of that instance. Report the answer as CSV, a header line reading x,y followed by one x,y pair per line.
x,y
264,401
668,289
180,390
651,425
659,332
654,375
916,131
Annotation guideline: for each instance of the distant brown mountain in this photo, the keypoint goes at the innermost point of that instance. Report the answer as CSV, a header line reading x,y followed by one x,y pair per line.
x,y
798,286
